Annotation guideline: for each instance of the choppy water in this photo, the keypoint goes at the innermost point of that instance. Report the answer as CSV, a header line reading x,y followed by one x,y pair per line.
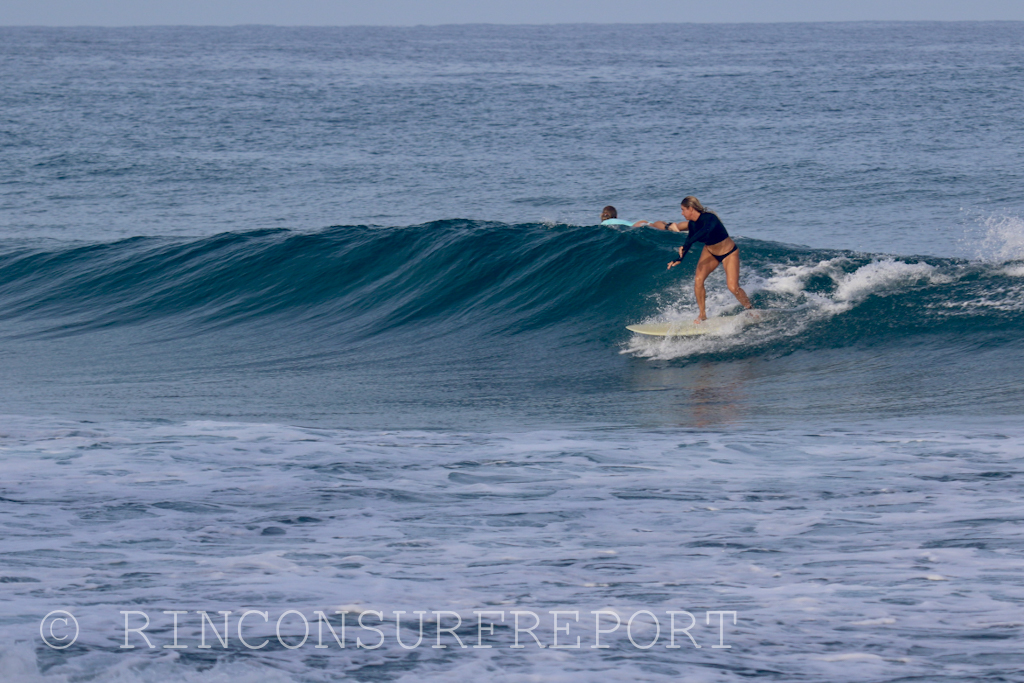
x,y
319,319
875,545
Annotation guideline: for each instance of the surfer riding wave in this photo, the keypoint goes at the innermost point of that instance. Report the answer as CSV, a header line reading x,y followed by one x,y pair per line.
x,y
705,227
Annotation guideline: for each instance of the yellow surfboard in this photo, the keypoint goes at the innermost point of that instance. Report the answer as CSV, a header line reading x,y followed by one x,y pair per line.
x,y
725,324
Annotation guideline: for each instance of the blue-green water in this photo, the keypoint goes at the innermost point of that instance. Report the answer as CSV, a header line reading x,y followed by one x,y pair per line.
x,y
321,319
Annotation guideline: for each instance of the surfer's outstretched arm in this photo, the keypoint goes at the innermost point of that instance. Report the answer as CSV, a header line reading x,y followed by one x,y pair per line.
x,y
682,255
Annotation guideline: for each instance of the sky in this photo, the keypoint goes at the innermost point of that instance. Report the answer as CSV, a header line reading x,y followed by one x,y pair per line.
x,y
433,12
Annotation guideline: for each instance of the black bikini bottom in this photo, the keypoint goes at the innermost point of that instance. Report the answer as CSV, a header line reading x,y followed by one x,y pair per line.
x,y
722,257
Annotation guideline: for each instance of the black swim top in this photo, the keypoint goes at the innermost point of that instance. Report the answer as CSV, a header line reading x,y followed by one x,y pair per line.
x,y
707,229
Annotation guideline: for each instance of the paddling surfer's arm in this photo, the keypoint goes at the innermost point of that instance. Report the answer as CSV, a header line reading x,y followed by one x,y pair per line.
x,y
657,225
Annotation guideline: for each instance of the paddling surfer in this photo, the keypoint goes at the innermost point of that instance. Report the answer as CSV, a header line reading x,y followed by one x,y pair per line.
x,y
705,227
609,216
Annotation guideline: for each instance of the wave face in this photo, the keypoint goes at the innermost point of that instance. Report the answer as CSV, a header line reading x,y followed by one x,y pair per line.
x,y
487,280
356,280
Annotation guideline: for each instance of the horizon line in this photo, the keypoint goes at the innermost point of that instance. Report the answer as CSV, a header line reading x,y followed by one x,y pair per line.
x,y
532,25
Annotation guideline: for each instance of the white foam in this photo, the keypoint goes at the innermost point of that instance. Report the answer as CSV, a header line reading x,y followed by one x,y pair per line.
x,y
879,276
796,306
852,657
792,279
1003,239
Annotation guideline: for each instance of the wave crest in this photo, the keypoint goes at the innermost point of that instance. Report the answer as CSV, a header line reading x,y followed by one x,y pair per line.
x,y
492,281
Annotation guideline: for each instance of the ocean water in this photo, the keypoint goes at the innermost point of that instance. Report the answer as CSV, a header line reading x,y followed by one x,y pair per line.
x,y
309,326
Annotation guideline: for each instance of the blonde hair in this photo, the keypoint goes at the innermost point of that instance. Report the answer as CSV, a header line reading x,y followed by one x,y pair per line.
x,y
691,202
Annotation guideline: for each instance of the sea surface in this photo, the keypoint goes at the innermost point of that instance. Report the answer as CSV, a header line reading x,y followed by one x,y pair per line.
x,y
302,322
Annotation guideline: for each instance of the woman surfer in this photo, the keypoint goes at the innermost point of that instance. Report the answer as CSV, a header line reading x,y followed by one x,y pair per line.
x,y
705,227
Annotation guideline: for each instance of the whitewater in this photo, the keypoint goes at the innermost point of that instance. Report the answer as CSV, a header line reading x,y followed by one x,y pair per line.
x,y
314,362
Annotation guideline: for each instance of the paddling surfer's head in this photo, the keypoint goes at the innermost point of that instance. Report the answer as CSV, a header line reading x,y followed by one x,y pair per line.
x,y
608,212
